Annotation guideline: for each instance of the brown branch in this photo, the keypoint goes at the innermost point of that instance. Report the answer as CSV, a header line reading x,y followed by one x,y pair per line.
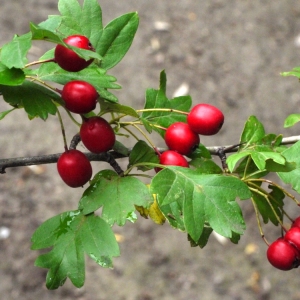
x,y
53,158
109,157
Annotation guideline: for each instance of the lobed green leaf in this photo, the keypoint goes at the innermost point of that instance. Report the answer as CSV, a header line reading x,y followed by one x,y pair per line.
x,y
116,195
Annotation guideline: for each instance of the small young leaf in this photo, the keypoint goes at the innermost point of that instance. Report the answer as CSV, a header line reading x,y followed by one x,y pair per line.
x,y
260,158
233,159
116,39
157,99
116,194
6,112
291,120
295,72
107,107
143,153
252,133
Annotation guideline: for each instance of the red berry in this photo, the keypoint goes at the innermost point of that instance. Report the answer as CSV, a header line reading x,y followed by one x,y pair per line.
x,y
97,135
179,137
74,168
67,59
283,255
293,236
80,97
205,119
172,158
296,222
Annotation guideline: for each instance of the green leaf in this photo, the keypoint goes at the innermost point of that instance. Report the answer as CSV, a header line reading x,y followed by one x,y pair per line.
x,y
107,107
36,99
52,23
86,20
260,158
116,39
295,72
39,33
142,153
173,213
91,21
93,75
252,133
199,152
120,148
206,166
163,82
233,159
71,234
292,155
6,112
202,198
203,240
117,195
156,99
11,76
14,53
291,120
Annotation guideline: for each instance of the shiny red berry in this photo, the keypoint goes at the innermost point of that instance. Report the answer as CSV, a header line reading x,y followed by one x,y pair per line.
x,y
74,168
67,59
172,158
293,236
283,255
205,119
97,135
179,137
296,222
79,96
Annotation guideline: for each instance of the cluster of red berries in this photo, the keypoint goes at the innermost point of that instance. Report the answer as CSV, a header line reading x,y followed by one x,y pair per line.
x,y
80,97
284,253
183,138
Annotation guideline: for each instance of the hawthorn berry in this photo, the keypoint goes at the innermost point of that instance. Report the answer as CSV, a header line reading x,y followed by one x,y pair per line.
x,y
97,135
67,59
172,158
205,119
283,255
79,96
74,168
296,222
181,138
293,236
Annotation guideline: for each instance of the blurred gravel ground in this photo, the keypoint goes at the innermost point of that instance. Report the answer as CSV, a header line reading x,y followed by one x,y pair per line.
x,y
228,53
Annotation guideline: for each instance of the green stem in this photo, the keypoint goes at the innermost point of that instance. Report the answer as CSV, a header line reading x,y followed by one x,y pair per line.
x,y
39,62
163,110
256,189
42,82
62,130
258,222
278,186
145,136
142,164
